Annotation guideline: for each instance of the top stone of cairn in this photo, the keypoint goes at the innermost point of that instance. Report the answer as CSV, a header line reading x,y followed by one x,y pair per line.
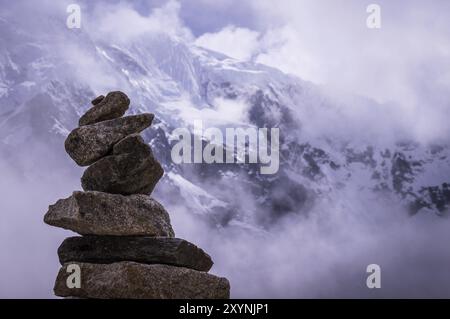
x,y
114,105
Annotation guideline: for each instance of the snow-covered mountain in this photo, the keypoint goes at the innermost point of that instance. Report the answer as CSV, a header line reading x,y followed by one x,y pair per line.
x,y
47,77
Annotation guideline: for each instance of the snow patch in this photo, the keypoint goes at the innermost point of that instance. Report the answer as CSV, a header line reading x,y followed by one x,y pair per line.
x,y
3,91
104,54
59,128
28,84
202,200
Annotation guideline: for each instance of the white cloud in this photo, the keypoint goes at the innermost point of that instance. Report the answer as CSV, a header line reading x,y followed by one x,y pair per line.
x,y
124,23
282,48
238,43
327,42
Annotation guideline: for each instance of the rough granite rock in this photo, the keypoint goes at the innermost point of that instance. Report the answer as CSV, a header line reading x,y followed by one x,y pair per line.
x,y
114,105
146,250
87,144
131,169
125,280
97,100
96,213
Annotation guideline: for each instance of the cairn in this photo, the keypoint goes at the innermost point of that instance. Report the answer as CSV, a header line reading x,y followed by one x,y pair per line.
x,y
127,247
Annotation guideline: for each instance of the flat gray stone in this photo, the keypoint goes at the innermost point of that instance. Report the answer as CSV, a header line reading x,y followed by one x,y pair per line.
x,y
87,144
131,169
114,105
130,280
146,250
96,213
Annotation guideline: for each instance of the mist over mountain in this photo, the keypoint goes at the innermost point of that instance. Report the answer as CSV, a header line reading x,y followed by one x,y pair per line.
x,y
356,185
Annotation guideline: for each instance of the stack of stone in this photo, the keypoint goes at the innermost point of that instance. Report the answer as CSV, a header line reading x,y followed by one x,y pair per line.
x,y
127,248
